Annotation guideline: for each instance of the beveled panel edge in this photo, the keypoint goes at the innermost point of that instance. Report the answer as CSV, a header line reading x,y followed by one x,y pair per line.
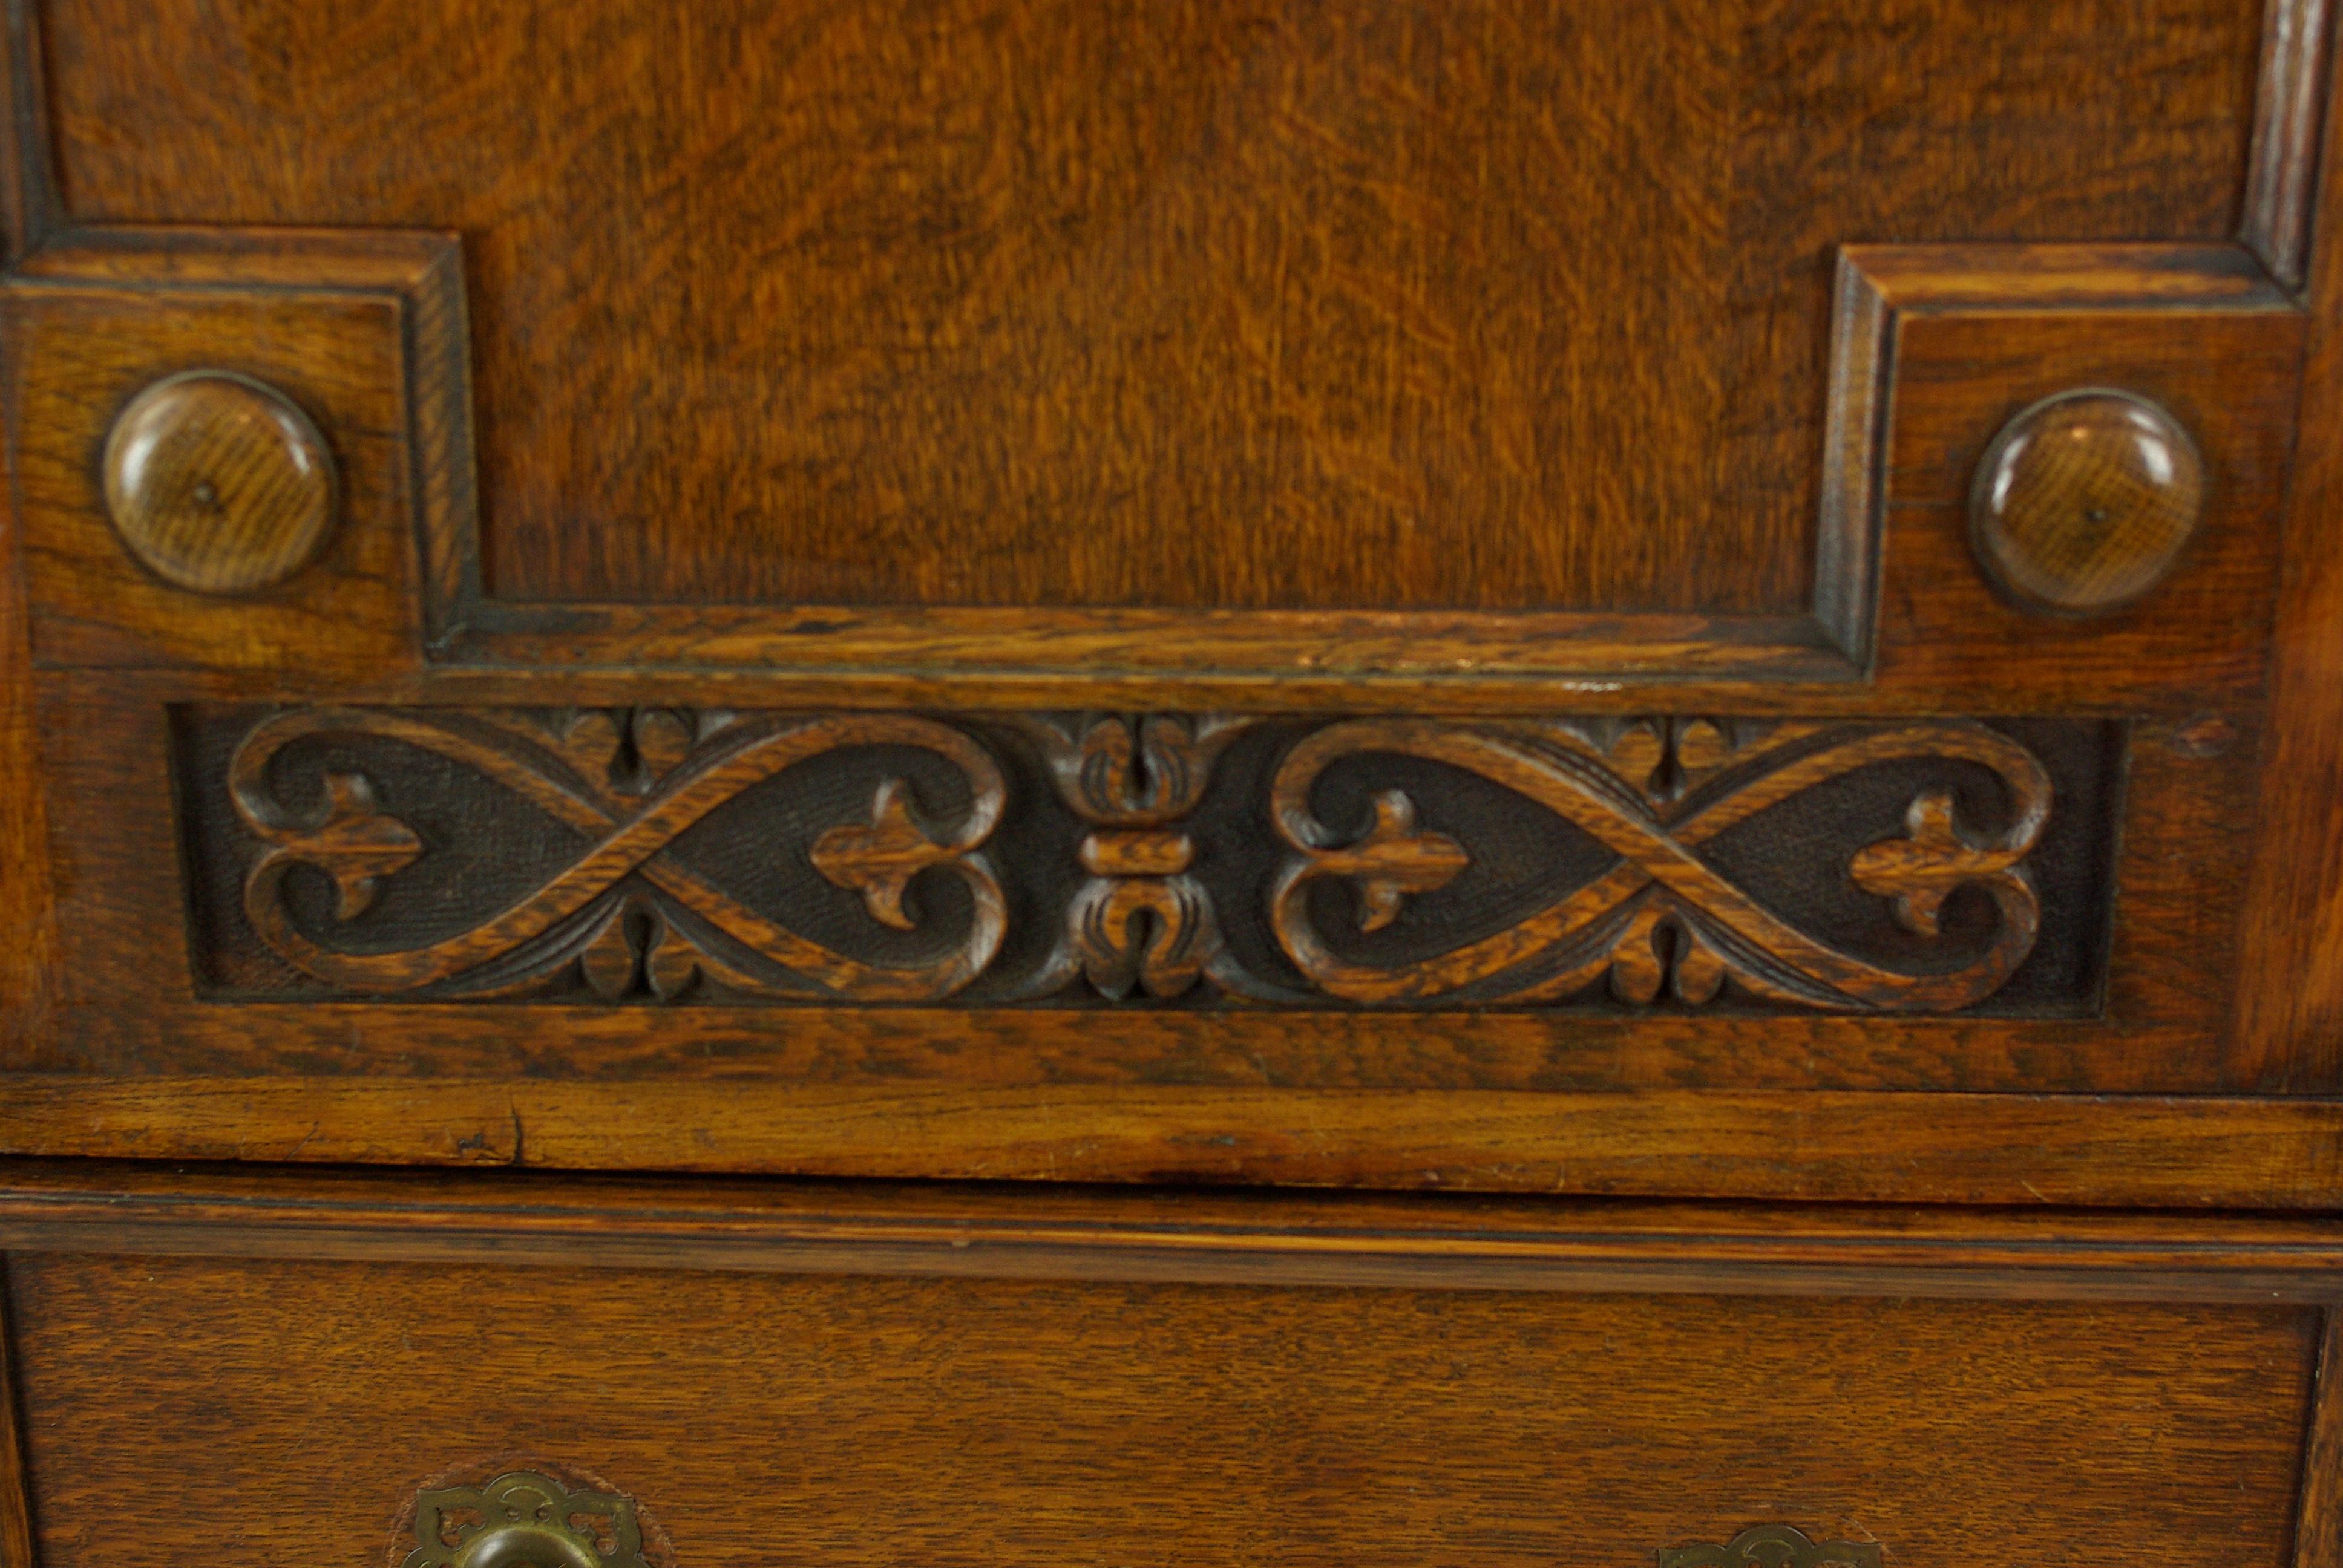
x,y
2290,994
1819,1146
17,1537
28,196
994,1232
1447,656
420,269
2318,1529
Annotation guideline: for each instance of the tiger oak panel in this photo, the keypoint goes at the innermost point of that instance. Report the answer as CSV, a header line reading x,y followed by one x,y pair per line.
x,y
1501,305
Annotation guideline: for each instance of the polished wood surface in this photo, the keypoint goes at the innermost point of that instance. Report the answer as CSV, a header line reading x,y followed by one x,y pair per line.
x,y
218,483
993,596
1048,1423
2185,1151
1939,331
2084,503
605,1224
1053,1366
2290,1007
1188,304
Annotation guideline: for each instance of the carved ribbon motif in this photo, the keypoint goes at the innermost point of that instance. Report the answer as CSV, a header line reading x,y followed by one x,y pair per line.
x,y
627,784
1333,849
1661,919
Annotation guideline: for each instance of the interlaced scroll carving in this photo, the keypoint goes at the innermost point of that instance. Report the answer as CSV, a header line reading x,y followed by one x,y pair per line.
x,y
625,916
1662,920
1159,860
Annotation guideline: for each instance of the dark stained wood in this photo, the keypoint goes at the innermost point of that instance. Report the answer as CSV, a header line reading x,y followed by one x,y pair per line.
x,y
350,329
1780,628
1803,1145
16,1536
29,959
2084,504
131,967
219,484
1970,337
28,199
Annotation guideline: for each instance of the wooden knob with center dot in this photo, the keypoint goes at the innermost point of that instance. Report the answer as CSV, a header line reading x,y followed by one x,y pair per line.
x,y
218,483
2085,502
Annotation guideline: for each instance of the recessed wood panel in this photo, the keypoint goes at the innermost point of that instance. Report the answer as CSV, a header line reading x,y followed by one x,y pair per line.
x,y
1504,303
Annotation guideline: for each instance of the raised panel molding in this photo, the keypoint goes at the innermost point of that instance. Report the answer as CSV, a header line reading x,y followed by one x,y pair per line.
x,y
676,856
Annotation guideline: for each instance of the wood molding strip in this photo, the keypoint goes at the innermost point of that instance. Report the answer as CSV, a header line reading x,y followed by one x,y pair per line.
x,y
1351,1239
2283,165
1935,1148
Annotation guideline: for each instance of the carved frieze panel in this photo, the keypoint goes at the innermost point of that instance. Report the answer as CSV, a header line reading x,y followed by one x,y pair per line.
x,y
663,856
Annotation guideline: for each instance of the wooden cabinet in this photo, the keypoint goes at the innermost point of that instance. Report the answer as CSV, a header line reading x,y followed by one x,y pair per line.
x,y
1679,601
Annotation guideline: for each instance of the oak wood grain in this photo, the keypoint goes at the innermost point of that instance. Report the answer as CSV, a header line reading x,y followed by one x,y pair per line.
x,y
219,484
27,960
128,979
1192,304
1163,1235
2283,178
847,1419
1804,1145
2084,506
2290,1005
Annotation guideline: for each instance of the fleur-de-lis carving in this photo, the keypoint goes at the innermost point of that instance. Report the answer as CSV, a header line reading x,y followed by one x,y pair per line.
x,y
356,843
625,913
879,860
1663,919
1393,860
1918,873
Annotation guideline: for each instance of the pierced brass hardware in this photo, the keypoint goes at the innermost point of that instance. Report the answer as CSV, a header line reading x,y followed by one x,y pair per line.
x,y
1772,1547
523,1520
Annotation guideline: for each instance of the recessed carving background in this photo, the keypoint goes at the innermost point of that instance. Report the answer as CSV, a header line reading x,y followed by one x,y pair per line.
x,y
678,857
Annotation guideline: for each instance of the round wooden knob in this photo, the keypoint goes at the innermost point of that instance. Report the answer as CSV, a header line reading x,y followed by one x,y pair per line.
x,y
2083,502
218,483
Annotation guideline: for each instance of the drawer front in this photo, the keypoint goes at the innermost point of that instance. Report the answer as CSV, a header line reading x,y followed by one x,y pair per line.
x,y
855,1379
1183,562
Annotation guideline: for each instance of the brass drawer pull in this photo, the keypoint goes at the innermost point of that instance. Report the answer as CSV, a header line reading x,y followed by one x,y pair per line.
x,y
523,1520
1773,1546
